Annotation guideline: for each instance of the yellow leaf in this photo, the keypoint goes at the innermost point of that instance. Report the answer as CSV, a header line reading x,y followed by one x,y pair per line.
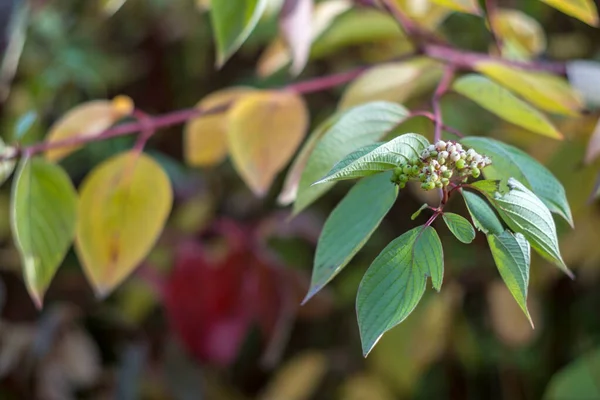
x,y
521,34
466,6
124,204
504,104
265,129
424,12
297,379
204,138
87,119
548,92
395,82
584,10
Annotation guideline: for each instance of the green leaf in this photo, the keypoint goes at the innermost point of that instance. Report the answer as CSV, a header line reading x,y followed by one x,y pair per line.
x,y
349,226
466,6
355,128
504,104
487,185
546,91
43,219
232,23
460,227
395,282
508,161
512,255
583,10
387,156
483,215
523,212
578,380
418,212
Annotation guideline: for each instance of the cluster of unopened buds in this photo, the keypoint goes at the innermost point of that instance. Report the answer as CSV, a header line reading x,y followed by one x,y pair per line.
x,y
440,165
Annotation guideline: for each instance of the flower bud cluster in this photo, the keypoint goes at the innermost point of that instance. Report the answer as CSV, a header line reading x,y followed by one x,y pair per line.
x,y
440,164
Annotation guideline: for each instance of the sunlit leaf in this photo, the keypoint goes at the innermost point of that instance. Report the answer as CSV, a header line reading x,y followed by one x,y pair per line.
x,y
43,218
425,12
7,163
578,380
466,6
124,204
277,55
593,148
488,185
87,119
512,255
509,161
584,76
298,379
548,92
356,128
503,103
292,179
483,215
294,20
232,23
109,7
460,227
400,150
521,34
264,131
395,283
584,10
395,82
349,226
523,212
205,138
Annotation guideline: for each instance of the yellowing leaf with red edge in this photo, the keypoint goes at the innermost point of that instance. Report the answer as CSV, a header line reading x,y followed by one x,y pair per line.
x,y
466,6
204,138
546,91
583,10
265,129
520,33
87,119
124,204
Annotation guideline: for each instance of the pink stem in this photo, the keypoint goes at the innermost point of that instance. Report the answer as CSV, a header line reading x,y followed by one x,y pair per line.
x,y
441,89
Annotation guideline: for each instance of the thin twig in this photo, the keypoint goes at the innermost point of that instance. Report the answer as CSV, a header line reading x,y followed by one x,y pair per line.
x,y
441,89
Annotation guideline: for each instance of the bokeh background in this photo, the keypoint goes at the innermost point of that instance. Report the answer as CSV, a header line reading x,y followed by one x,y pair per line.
x,y
214,311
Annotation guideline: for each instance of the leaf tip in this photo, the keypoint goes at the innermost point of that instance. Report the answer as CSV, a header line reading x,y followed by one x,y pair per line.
x,y
38,300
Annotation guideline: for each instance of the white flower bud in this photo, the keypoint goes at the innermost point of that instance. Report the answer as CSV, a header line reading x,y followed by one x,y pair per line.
x,y
454,156
458,146
442,154
431,148
441,145
477,158
451,148
443,168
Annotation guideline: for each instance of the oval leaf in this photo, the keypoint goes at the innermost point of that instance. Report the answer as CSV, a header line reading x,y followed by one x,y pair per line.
x,y
292,179
356,128
349,226
387,156
522,35
294,23
395,82
460,227
583,10
124,205
265,129
546,91
395,282
508,161
205,138
232,23
483,215
512,255
504,104
577,380
87,119
43,218
523,212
